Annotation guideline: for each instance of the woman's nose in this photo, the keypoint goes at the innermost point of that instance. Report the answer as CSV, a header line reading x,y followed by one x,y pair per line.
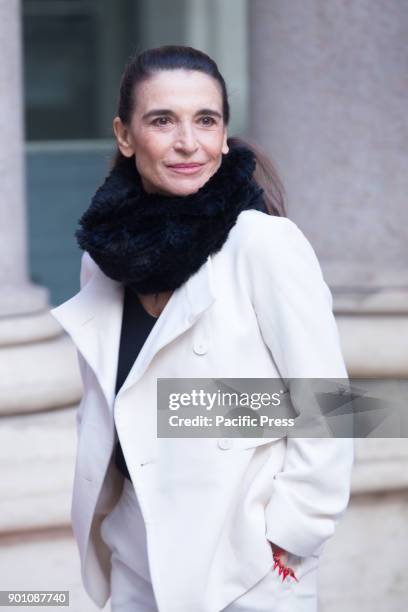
x,y
186,139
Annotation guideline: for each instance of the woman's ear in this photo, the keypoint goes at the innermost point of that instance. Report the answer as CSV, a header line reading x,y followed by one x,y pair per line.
x,y
122,137
225,147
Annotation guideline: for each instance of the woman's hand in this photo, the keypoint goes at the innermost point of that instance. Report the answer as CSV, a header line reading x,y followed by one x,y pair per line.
x,y
280,552
280,556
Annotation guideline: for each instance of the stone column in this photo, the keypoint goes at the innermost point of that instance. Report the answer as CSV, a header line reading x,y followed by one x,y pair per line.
x,y
32,350
328,102
18,296
38,371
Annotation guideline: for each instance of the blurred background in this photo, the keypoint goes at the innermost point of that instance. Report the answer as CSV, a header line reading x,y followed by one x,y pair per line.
x,y
321,86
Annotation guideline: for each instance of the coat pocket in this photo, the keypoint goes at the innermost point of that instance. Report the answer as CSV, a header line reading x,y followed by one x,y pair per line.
x,y
306,571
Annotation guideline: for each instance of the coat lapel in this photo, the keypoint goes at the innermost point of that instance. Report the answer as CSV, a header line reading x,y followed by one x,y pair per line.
x,y
93,319
184,308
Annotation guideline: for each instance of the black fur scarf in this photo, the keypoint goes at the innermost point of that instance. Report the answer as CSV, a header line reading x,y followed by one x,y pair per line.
x,y
152,242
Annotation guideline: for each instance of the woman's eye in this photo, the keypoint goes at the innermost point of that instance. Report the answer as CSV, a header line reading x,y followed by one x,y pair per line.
x,y
160,121
207,120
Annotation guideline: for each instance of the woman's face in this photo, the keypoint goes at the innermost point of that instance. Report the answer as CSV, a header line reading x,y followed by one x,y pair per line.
x,y
176,132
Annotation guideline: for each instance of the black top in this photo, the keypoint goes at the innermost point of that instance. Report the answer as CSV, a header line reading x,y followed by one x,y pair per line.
x,y
136,326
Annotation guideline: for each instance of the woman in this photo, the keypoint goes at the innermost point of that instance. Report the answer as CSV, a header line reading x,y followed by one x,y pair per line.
x,y
191,270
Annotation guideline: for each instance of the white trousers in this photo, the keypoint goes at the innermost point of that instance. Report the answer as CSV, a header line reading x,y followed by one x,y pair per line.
x,y
124,532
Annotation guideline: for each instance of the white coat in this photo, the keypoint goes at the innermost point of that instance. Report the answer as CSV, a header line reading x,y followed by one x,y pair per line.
x,y
259,308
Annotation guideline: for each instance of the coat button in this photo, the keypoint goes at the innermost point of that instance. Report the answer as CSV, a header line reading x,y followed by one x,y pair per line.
x,y
200,347
225,443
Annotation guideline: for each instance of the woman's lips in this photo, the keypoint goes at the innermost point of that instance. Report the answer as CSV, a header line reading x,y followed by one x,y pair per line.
x,y
185,168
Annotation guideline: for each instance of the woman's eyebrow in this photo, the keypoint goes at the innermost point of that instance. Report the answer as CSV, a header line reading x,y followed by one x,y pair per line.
x,y
167,111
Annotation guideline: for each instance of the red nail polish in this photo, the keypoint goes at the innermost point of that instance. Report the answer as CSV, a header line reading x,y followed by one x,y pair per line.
x,y
282,569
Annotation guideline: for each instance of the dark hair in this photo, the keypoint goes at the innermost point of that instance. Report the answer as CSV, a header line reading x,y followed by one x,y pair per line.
x,y
172,57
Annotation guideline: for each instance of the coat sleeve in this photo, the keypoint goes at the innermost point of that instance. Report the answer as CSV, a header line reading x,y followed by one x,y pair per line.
x,y
293,305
